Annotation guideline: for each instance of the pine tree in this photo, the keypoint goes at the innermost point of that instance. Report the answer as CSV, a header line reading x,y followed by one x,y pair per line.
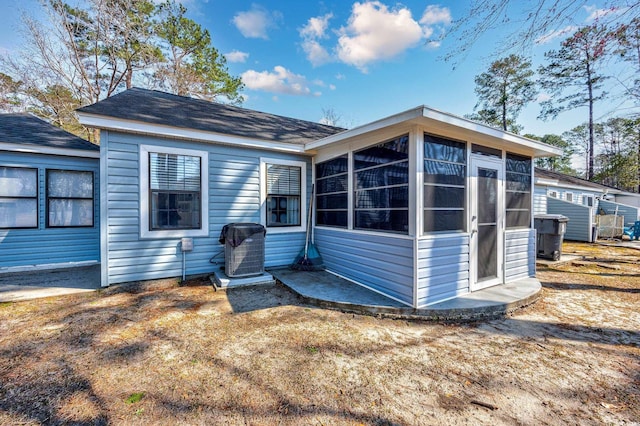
x,y
573,79
505,89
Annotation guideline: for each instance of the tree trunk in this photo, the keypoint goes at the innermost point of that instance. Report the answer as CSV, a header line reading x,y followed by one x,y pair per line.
x,y
504,107
591,135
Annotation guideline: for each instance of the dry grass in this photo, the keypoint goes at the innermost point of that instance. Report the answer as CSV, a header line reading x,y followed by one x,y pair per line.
x,y
157,353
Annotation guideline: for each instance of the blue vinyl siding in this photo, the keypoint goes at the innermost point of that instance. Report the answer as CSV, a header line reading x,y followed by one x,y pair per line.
x,y
234,196
46,246
540,200
580,218
520,255
381,262
630,213
443,268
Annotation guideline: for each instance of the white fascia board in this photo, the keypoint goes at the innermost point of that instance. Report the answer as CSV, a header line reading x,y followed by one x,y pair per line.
x,y
543,181
118,124
426,115
540,149
559,185
403,117
49,150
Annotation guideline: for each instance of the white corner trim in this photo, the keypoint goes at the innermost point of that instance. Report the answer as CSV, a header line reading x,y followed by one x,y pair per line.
x,y
145,232
165,131
38,149
263,195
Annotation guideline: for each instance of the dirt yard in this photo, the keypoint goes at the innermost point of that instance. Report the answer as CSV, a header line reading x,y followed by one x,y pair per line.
x,y
157,353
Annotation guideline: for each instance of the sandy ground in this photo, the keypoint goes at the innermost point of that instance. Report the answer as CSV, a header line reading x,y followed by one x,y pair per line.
x,y
159,353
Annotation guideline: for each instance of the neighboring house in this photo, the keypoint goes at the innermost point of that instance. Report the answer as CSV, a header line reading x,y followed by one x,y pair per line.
x,y
49,182
580,200
421,206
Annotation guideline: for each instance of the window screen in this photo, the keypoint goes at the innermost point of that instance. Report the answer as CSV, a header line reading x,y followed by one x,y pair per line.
x,y
381,193
283,195
175,193
18,197
69,198
332,192
445,177
518,191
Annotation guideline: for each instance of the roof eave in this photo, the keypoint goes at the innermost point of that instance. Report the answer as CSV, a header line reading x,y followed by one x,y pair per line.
x,y
48,150
140,127
427,115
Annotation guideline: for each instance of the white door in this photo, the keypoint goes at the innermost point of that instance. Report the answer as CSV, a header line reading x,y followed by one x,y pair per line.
x,y
487,222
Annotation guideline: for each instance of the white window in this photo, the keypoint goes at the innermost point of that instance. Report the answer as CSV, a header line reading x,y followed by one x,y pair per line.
x,y
174,194
283,195
569,196
587,200
18,197
552,194
69,198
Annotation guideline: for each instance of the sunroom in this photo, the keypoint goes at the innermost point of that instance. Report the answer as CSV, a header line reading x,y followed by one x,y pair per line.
x,y
424,206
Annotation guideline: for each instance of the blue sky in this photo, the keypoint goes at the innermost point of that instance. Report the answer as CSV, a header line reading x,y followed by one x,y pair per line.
x,y
364,60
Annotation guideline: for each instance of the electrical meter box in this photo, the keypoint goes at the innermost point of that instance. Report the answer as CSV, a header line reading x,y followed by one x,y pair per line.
x,y
186,244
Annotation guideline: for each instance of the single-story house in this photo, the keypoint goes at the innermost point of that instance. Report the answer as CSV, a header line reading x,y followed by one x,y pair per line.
x,y
580,200
421,206
49,204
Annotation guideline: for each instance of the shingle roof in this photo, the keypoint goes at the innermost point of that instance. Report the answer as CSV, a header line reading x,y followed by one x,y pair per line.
x,y
569,180
154,107
26,129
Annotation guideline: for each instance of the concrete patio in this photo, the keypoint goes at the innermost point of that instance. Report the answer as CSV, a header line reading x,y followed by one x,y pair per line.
x,y
34,284
330,291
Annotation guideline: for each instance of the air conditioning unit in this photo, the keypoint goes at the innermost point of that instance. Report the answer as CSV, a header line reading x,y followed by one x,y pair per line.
x,y
243,249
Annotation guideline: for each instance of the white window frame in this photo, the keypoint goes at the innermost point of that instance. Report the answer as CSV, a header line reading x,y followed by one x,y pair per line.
x,y
585,200
145,232
303,195
553,194
568,196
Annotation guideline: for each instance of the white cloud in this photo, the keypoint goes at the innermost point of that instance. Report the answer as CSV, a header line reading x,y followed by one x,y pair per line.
x,y
316,27
236,56
435,18
314,30
552,35
256,22
316,54
340,77
434,15
596,14
332,87
375,33
281,81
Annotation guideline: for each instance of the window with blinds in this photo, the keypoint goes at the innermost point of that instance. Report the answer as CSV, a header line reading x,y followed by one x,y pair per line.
x,y
69,198
18,197
283,195
174,191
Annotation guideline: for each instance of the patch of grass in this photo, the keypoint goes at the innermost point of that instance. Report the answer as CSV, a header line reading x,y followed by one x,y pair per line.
x,y
312,349
134,397
5,304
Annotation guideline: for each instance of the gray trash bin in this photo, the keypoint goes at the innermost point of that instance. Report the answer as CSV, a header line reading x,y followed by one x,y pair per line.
x,y
550,229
